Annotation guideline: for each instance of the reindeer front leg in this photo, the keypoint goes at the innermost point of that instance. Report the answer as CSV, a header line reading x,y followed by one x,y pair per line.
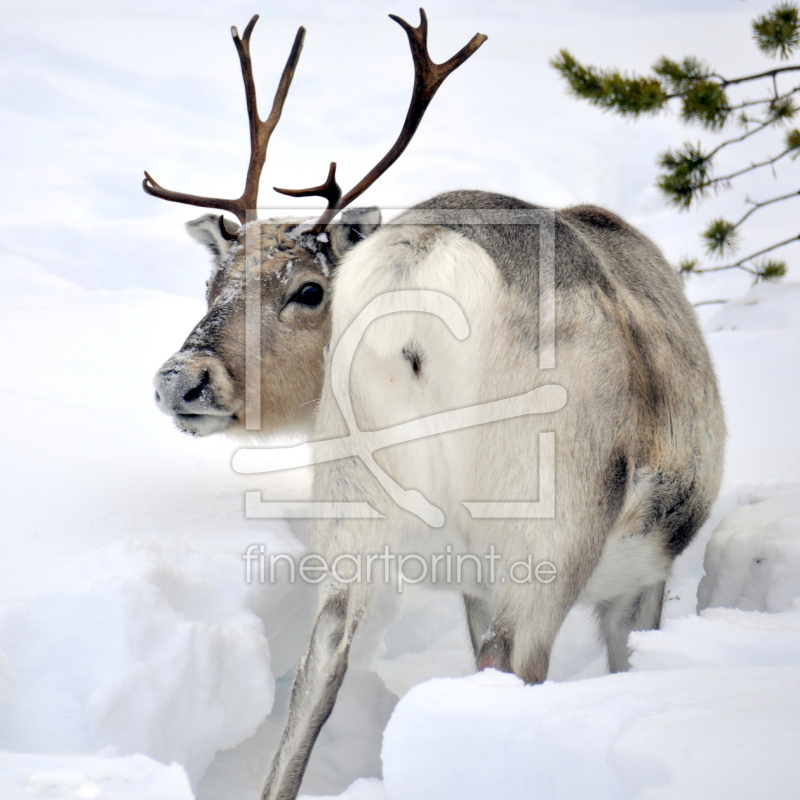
x,y
316,684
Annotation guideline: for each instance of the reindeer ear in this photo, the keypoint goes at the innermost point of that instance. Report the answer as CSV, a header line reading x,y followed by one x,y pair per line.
x,y
207,231
355,225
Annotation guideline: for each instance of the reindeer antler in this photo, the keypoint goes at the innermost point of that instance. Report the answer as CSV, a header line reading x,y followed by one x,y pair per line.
x,y
260,132
330,190
428,77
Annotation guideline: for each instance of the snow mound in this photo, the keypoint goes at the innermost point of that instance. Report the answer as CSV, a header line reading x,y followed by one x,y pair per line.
x,y
719,637
641,735
91,778
143,651
752,561
766,306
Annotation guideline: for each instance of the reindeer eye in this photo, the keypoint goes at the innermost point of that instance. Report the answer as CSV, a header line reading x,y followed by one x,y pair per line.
x,y
309,294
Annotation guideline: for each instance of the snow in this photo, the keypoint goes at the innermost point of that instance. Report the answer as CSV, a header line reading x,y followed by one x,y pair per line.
x,y
91,778
151,655
728,732
719,637
753,560
135,661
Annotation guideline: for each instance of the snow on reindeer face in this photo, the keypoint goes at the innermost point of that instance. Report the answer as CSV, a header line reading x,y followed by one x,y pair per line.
x,y
203,385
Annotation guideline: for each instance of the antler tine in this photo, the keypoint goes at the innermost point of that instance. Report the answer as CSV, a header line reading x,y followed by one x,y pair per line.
x,y
329,190
150,185
260,130
428,77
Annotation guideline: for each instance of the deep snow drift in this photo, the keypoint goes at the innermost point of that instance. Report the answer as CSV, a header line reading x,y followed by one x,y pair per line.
x,y
135,661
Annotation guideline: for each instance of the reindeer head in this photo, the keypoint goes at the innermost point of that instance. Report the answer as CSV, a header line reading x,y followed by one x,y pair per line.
x,y
288,266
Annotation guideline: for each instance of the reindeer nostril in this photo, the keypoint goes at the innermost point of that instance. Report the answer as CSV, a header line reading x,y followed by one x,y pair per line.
x,y
158,397
193,394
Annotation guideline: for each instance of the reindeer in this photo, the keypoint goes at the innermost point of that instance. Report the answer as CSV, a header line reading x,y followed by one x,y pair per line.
x,y
633,420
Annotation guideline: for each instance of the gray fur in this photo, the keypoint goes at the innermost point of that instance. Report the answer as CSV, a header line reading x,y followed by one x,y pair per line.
x,y
354,225
624,614
317,682
479,617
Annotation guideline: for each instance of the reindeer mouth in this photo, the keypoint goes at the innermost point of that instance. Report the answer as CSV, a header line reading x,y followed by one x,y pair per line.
x,y
188,393
203,424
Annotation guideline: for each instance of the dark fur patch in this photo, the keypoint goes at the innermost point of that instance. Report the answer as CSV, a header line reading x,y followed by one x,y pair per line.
x,y
677,513
413,355
514,246
596,216
682,526
650,388
615,483
354,235
336,605
576,263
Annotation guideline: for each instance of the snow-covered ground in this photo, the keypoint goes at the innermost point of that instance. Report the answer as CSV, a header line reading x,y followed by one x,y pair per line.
x,y
135,661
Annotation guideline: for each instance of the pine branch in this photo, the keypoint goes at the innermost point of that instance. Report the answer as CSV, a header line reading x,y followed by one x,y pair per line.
x,y
763,203
778,31
725,82
768,162
703,99
764,100
687,172
611,90
722,236
761,126
741,263
686,175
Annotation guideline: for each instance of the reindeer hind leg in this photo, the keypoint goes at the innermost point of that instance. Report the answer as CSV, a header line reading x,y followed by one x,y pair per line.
x,y
478,620
620,616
